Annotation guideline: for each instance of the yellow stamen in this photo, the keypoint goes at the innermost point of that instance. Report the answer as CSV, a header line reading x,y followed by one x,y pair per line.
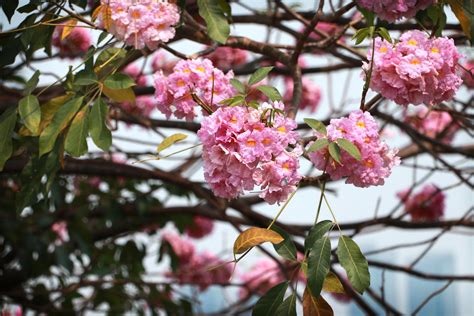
x,y
201,69
136,15
180,83
412,42
281,129
233,120
383,49
367,140
435,50
369,163
415,62
186,70
266,141
251,142
286,166
360,124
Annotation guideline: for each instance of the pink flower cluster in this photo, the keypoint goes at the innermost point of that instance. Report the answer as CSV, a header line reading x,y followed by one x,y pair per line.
x,y
143,104
193,76
377,161
201,269
140,23
241,149
392,10
426,205
264,275
75,44
468,76
160,62
415,70
431,123
311,94
201,227
228,57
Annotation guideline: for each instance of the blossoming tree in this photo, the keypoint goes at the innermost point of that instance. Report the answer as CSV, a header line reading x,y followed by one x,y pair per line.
x,y
226,124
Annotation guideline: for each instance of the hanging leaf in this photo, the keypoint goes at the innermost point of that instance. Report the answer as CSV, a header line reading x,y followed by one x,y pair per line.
x,y
319,261
332,284
268,304
97,125
68,27
255,236
32,83
120,95
76,139
259,75
318,126
239,86
286,248
288,307
313,306
30,113
350,148
85,78
170,140
465,15
354,262
318,145
317,232
49,109
335,152
7,126
271,92
119,81
217,26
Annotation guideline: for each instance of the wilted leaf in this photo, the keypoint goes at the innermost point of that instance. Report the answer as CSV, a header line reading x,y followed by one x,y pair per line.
x,y
68,27
313,306
332,284
465,15
255,236
269,303
170,140
120,95
354,262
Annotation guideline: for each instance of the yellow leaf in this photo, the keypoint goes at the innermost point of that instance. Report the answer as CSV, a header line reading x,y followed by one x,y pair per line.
x,y
120,95
97,11
457,7
332,284
68,27
315,306
50,108
168,141
255,236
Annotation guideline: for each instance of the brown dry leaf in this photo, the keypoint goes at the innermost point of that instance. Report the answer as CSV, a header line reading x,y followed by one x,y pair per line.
x,y
457,7
315,306
255,236
68,27
120,95
333,284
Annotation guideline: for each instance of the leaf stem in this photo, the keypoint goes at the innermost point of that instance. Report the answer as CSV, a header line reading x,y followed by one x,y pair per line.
x,y
282,208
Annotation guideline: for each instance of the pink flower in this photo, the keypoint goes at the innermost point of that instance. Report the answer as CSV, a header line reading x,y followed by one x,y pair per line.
x,y
264,275
141,24
468,76
431,123
195,76
201,227
241,149
161,63
75,44
426,205
228,57
136,74
183,248
311,94
330,29
415,70
391,10
377,161
60,229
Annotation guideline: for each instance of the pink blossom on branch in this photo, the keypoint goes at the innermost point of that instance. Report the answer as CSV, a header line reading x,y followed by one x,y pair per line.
x,y
201,227
468,76
426,205
160,62
75,44
415,70
392,10
228,57
143,104
264,275
310,97
377,161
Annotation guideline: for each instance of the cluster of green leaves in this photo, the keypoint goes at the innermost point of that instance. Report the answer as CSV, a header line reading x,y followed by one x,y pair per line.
x,y
334,147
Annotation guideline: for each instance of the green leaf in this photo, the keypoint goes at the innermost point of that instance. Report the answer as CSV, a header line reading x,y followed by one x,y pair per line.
x,y
271,92
102,36
335,152
85,78
76,139
332,284
60,121
30,112
239,86
9,7
316,233
32,83
354,262
349,147
234,101
288,307
7,126
259,75
120,95
170,140
361,35
316,125
383,32
217,26
225,6
119,81
286,248
319,261
268,304
97,127
368,15
318,144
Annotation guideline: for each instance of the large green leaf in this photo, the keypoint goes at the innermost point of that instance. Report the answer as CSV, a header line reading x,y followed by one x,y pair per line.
x,y
60,121
97,127
317,232
268,304
119,81
76,139
354,262
319,261
7,126
217,25
30,112
286,248
288,307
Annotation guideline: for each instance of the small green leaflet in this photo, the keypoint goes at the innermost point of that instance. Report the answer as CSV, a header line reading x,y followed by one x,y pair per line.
x,y
349,147
316,125
97,127
76,139
268,304
354,262
30,113
119,81
85,78
239,86
7,126
217,26
259,75
335,152
170,140
271,92
318,144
